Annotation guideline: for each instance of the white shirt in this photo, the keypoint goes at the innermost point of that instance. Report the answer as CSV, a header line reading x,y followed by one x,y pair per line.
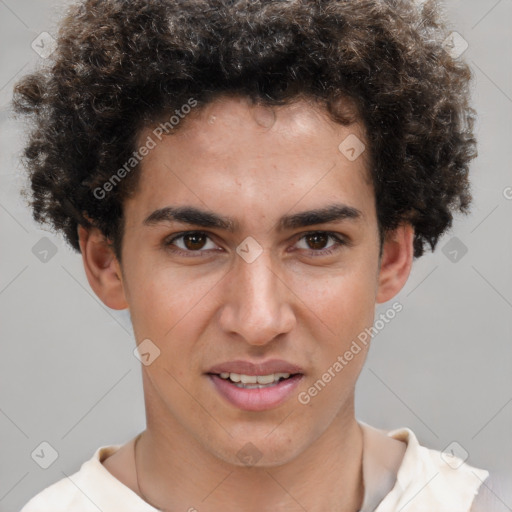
x,y
426,481
423,482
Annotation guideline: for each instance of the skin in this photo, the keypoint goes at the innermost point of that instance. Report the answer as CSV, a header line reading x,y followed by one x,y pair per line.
x,y
203,308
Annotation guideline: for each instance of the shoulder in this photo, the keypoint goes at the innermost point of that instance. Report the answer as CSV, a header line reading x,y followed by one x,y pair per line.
x,y
90,489
57,497
432,480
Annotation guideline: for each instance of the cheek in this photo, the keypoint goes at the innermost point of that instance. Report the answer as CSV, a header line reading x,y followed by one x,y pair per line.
x,y
162,298
343,307
342,301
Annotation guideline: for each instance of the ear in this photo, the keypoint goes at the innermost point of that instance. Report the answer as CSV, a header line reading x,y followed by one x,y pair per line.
x,y
396,262
102,267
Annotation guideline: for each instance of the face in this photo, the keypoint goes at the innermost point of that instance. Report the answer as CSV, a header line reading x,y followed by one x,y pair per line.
x,y
222,262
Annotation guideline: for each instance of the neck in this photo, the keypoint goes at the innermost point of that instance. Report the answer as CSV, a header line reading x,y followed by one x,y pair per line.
x,y
175,472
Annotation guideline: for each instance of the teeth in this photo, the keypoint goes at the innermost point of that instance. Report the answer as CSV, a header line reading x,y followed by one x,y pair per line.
x,y
263,379
254,379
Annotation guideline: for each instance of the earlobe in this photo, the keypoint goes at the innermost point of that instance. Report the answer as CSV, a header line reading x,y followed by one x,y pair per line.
x,y
396,262
102,267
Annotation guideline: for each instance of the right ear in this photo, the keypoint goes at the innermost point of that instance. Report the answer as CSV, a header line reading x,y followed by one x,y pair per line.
x,y
102,267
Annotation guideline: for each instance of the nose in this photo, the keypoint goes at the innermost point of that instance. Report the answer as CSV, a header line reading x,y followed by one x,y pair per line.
x,y
257,307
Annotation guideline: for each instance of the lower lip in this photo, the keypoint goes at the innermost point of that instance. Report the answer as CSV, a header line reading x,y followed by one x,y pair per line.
x,y
257,399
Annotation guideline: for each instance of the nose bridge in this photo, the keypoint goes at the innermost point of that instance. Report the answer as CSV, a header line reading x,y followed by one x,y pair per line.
x,y
258,307
258,280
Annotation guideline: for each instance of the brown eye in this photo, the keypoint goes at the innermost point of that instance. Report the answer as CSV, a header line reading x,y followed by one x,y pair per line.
x,y
194,241
190,243
317,240
322,243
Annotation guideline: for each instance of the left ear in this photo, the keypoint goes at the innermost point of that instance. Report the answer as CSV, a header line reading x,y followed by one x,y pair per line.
x,y
396,262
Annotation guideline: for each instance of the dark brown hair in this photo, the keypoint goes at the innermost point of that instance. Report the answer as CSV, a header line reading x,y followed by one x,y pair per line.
x,y
119,65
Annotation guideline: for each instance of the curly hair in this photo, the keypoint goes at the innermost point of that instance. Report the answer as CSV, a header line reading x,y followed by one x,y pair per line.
x,y
120,65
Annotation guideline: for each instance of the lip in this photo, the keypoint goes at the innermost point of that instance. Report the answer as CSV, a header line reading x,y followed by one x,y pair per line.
x,y
249,368
257,399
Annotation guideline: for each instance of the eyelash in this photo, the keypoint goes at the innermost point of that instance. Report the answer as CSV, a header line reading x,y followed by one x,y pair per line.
x,y
340,242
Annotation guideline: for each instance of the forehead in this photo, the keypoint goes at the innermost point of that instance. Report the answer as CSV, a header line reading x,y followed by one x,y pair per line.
x,y
219,127
256,157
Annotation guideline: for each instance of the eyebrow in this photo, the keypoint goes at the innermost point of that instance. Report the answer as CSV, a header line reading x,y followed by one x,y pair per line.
x,y
197,217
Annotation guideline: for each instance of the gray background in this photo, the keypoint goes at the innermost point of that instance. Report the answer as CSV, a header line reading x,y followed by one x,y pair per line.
x,y
442,367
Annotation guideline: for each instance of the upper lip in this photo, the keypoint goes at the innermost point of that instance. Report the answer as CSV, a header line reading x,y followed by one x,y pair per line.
x,y
248,368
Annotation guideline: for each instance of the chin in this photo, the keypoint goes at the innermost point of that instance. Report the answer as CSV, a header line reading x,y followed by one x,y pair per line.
x,y
258,451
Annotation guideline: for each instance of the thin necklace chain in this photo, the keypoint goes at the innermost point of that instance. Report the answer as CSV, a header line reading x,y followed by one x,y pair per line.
x,y
138,484
137,477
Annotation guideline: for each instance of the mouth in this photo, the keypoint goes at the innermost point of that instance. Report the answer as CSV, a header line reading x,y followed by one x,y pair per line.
x,y
255,381
255,392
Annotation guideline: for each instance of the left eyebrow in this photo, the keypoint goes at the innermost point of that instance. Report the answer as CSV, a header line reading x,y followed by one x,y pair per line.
x,y
331,213
197,217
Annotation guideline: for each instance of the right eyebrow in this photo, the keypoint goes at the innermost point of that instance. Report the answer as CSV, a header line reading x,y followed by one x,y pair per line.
x,y
190,215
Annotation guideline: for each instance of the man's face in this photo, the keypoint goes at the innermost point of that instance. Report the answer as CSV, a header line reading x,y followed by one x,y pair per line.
x,y
264,290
